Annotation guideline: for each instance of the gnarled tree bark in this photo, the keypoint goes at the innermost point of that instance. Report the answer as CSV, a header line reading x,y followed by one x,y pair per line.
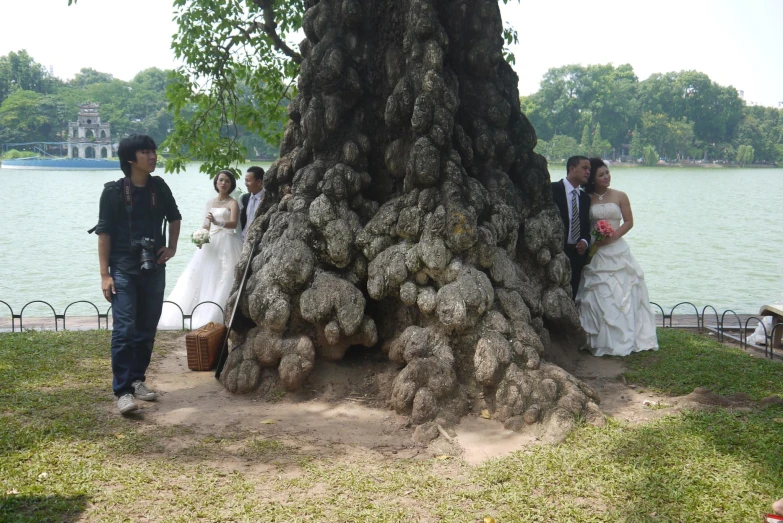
x,y
409,210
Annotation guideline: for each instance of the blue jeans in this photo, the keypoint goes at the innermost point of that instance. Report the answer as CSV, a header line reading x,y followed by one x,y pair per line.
x,y
135,312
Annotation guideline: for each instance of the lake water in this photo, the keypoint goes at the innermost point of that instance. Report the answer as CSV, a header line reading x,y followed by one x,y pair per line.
x,y
708,236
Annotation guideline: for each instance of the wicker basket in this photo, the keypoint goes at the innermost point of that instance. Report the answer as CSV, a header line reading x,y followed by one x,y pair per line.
x,y
203,346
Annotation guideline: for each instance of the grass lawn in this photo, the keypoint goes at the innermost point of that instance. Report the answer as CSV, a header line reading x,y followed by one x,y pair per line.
x,y
65,455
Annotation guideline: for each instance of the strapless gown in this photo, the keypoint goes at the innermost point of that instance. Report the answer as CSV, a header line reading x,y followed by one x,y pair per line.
x,y
613,303
208,277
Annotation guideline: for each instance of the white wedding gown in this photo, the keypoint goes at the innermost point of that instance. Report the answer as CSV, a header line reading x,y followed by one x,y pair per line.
x,y
613,303
208,276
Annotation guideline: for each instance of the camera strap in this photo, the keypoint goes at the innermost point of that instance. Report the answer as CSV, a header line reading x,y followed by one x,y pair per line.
x,y
127,196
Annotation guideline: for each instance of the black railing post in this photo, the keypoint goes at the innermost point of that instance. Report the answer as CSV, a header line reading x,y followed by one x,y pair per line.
x,y
97,312
13,316
21,313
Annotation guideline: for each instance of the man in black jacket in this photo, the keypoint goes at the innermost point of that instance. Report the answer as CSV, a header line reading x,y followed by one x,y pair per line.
x,y
574,206
254,181
132,252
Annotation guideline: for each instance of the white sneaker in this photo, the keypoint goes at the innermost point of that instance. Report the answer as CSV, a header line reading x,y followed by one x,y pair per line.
x,y
126,404
142,392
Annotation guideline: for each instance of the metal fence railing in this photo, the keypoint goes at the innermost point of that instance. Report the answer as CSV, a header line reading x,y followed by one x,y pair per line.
x,y
102,318
724,325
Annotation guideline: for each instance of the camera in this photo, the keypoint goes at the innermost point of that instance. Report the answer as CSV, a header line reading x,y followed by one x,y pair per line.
x,y
148,260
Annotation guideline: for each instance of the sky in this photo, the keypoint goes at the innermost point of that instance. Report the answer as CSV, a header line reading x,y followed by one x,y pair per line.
x,y
734,42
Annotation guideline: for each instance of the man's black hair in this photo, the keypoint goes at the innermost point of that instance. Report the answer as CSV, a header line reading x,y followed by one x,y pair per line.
x,y
231,178
130,146
258,172
574,161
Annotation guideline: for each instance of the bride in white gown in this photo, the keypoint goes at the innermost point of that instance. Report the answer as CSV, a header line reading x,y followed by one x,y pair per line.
x,y
613,303
209,275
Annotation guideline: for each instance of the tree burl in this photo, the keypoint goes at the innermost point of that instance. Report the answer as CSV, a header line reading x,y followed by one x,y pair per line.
x,y
408,211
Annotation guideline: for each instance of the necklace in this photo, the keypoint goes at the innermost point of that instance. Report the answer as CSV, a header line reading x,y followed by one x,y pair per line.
x,y
601,196
223,201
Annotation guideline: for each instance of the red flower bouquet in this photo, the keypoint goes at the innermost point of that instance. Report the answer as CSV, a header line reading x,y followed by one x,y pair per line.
x,y
603,230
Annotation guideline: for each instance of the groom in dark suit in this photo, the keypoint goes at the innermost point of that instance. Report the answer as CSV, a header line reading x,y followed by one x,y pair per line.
x,y
574,206
254,181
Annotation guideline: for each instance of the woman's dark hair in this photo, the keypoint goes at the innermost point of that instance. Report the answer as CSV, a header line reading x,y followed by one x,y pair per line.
x,y
595,164
230,177
130,146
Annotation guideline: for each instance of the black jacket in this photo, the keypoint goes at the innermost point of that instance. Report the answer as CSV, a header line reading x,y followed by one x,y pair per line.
x,y
243,211
559,197
113,219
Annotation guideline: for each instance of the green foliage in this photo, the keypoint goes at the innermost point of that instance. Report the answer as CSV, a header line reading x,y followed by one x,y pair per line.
x,y
13,154
672,139
238,78
510,37
18,71
636,149
714,109
649,155
230,97
573,96
30,116
761,127
745,154
558,149
681,114
584,145
592,144
599,145
88,76
138,106
42,112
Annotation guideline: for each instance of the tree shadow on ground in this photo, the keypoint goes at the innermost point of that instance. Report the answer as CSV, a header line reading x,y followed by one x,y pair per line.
x,y
17,509
337,406
714,465
46,416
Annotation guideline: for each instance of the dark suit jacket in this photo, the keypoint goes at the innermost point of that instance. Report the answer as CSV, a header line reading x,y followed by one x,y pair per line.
x,y
243,212
559,196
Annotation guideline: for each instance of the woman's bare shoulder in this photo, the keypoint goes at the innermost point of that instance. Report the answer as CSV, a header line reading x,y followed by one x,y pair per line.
x,y
621,195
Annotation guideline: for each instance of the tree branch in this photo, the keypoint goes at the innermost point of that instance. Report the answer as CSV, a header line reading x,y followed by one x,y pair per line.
x,y
270,28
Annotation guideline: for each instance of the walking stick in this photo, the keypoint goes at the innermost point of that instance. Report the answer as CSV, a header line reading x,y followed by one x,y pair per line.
x,y
224,348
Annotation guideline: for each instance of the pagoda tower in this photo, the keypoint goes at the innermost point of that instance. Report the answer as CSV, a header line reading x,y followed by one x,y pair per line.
x,y
88,137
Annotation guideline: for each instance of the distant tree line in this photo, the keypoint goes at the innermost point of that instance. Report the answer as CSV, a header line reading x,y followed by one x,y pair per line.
x,y
602,110
35,106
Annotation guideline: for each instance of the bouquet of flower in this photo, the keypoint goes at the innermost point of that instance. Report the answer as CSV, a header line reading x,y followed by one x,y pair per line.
x,y
200,237
603,230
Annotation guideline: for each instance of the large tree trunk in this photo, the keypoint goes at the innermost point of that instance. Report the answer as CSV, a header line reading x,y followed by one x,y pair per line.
x,y
409,210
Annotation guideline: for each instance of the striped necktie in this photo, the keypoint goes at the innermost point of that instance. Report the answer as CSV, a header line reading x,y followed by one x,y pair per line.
x,y
575,225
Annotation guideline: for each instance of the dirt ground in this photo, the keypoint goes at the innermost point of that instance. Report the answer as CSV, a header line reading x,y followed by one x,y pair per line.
x,y
337,410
